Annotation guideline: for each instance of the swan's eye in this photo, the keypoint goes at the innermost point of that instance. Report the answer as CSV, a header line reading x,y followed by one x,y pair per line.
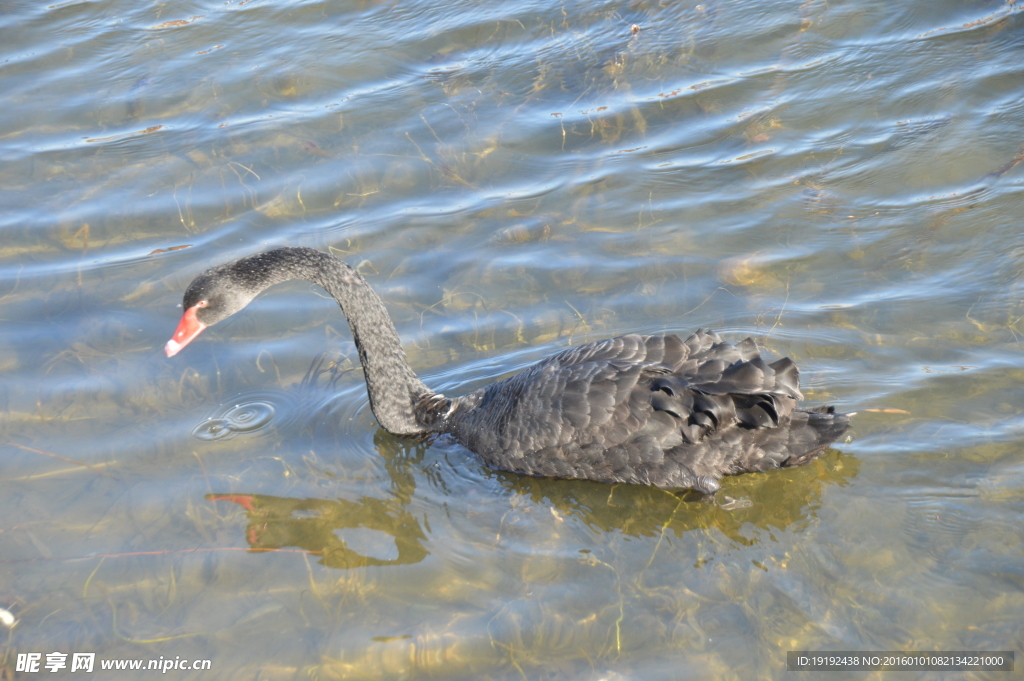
x,y
202,303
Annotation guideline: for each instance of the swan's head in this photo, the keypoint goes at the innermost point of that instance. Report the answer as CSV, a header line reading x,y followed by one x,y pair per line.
x,y
214,295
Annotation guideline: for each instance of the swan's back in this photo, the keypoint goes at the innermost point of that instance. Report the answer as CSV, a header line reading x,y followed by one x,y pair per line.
x,y
653,410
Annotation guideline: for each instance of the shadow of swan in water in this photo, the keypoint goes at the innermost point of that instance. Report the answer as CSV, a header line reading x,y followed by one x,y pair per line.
x,y
371,531
318,526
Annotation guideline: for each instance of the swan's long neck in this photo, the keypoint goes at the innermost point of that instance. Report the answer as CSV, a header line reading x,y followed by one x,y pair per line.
x,y
395,389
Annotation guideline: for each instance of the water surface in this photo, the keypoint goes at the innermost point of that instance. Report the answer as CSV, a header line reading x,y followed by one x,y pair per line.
x,y
840,180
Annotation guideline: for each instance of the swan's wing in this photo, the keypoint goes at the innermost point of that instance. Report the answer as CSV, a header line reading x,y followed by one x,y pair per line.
x,y
668,350
606,392
638,409
702,360
609,392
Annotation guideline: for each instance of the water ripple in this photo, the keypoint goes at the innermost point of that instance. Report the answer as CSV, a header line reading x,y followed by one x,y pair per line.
x,y
243,418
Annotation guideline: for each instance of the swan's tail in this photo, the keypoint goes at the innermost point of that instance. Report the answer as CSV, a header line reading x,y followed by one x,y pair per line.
x,y
823,426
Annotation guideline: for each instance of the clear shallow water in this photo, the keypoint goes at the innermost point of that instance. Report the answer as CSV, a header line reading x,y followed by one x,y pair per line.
x,y
840,180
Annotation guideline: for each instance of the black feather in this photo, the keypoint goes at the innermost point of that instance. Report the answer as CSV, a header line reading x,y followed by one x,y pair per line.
x,y
717,409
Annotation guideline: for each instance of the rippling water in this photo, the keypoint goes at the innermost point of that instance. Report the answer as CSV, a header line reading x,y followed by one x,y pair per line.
x,y
841,180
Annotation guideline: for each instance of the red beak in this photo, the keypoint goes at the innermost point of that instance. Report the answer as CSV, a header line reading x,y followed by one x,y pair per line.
x,y
188,328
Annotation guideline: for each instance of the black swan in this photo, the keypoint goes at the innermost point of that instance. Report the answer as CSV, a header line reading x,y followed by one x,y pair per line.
x,y
648,410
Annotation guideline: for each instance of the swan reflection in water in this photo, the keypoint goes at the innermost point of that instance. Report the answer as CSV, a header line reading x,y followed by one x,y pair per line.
x,y
371,531
315,524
